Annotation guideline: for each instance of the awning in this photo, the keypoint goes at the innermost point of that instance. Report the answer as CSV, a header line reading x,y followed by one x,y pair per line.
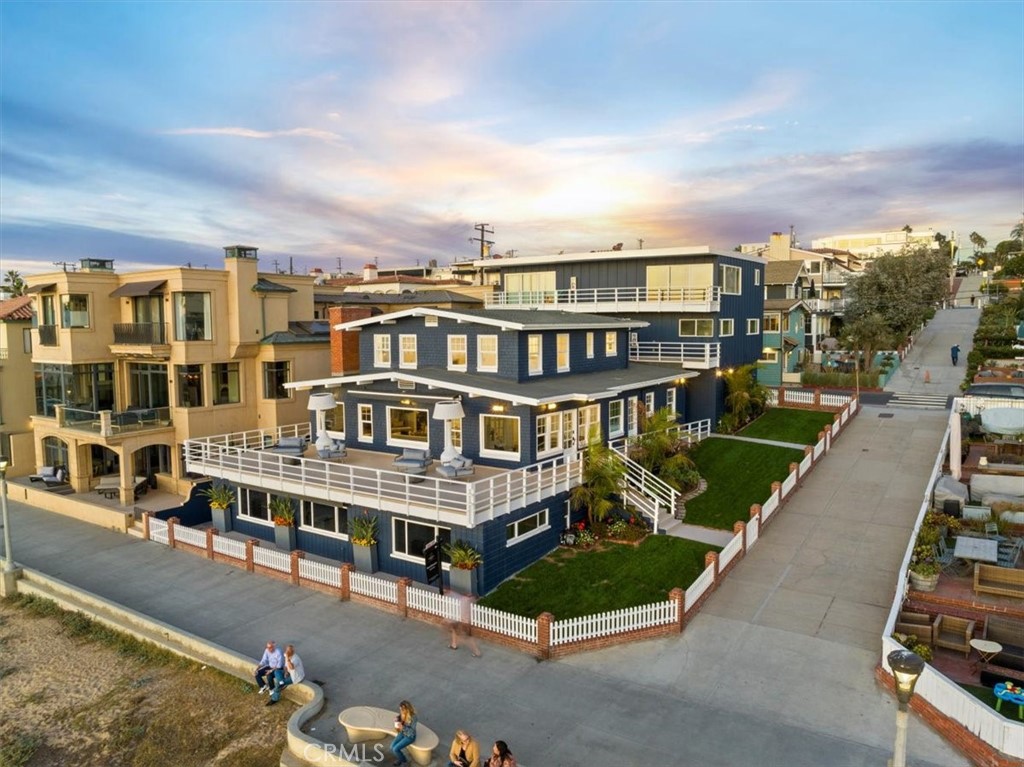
x,y
789,343
138,288
41,288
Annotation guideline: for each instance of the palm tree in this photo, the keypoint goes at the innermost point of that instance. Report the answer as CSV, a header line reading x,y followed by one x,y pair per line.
x,y
907,229
603,473
13,283
978,241
746,398
659,450
1017,233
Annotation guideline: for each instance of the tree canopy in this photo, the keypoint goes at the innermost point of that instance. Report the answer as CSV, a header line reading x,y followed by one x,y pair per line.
x,y
13,283
899,289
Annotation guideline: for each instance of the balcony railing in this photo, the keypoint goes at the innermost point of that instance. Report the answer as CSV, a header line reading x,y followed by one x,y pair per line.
x,y
611,299
242,457
108,423
47,335
139,333
686,353
836,305
837,277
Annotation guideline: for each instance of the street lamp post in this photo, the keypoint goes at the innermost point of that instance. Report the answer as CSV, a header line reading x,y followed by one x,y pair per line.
x,y
906,669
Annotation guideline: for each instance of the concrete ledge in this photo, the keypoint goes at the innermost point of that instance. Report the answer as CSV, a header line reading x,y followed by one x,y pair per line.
x,y
70,506
309,697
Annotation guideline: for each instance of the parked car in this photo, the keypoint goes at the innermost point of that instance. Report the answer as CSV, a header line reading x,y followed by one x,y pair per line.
x,y
961,271
1004,390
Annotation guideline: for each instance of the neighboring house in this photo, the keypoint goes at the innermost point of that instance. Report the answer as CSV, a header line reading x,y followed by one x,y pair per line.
x,y
129,366
702,310
784,350
531,388
17,391
393,302
874,244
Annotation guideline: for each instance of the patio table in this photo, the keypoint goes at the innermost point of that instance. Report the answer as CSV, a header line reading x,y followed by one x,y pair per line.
x,y
1013,695
987,650
976,549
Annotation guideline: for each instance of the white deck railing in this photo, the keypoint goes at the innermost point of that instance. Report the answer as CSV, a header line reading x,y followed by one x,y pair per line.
x,y
611,299
690,354
239,457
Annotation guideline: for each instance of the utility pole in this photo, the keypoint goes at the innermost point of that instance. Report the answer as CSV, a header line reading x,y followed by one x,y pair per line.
x,y
65,264
640,242
482,239
276,270
338,259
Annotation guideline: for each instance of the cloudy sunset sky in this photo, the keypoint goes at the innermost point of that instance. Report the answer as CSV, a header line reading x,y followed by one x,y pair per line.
x,y
155,133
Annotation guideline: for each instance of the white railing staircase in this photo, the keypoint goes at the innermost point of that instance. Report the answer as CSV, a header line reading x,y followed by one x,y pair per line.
x,y
650,495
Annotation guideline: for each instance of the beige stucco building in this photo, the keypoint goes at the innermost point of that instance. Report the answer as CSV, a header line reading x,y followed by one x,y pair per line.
x,y
129,366
17,392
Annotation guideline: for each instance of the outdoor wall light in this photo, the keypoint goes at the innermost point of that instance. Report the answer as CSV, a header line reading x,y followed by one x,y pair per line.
x,y
497,408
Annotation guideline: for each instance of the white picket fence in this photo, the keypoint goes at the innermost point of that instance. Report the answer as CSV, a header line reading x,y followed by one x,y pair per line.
x,y
378,588
500,622
614,622
158,531
229,547
704,582
433,603
320,572
190,536
275,560
731,550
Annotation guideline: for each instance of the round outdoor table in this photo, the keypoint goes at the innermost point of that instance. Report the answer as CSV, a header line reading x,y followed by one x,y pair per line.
x,y
987,650
1010,697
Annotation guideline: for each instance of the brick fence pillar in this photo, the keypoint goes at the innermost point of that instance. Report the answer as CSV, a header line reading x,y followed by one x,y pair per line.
x,y
346,588
170,530
146,516
740,529
403,588
777,490
755,510
678,596
782,396
295,557
817,399
711,558
794,467
250,544
809,451
210,532
544,621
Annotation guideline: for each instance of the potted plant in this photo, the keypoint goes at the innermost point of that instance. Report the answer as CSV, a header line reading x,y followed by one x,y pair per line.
x,y
464,562
924,570
363,535
220,498
283,514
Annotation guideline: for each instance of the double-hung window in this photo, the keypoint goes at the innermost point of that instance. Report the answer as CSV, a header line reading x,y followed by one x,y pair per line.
x,y
487,354
549,433
611,343
670,399
407,353
615,427
382,350
649,402
535,362
457,353
753,327
590,345
562,360
731,280
366,423
725,327
771,323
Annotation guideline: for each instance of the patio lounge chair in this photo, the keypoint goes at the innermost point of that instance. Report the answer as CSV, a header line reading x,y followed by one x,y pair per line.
x,y
290,446
51,476
954,633
336,450
412,460
460,466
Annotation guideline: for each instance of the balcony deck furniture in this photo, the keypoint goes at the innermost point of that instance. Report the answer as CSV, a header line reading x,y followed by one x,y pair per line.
x,y
979,513
1009,632
1010,552
364,723
51,476
976,549
412,460
290,446
336,450
460,466
954,633
918,625
1002,581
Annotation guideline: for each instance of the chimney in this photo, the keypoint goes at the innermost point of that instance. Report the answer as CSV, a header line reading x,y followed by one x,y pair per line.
x,y
778,247
369,272
345,343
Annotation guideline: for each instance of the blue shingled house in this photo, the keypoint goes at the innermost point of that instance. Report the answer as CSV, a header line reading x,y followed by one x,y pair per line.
x,y
458,424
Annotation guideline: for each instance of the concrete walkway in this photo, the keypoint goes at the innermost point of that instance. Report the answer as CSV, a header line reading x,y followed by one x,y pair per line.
x,y
758,440
776,669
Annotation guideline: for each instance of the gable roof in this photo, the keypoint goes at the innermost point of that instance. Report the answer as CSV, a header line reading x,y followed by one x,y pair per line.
x,y
506,319
782,272
783,304
18,308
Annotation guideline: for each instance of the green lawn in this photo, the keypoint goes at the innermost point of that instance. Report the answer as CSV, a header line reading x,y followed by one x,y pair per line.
x,y
786,425
569,583
739,474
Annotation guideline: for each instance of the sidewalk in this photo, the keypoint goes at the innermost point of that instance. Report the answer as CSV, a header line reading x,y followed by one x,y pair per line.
x,y
776,669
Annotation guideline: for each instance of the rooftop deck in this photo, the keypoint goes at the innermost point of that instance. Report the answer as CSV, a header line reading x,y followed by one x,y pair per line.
x,y
598,300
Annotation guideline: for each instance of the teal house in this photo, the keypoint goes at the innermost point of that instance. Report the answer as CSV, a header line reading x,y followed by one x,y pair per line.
x,y
782,329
